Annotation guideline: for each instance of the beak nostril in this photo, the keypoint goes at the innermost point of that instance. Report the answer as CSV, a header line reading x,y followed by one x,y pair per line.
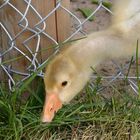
x,y
51,109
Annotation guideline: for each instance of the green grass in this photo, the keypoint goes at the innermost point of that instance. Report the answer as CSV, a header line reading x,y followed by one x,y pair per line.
x,y
86,13
107,3
88,116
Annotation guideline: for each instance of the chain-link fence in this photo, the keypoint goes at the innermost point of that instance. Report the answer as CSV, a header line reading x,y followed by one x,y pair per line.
x,y
34,35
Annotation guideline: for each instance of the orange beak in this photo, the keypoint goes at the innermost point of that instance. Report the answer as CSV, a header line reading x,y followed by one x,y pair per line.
x,y
51,106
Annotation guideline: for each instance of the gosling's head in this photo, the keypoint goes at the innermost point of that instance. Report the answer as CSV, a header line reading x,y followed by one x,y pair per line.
x,y
63,80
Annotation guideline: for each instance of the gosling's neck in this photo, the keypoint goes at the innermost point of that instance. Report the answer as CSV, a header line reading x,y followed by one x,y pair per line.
x,y
99,46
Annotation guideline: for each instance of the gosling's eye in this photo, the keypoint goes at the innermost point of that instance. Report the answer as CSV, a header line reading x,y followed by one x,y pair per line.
x,y
64,83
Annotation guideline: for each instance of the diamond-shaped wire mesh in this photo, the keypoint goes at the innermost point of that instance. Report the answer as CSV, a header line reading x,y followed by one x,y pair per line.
x,y
22,51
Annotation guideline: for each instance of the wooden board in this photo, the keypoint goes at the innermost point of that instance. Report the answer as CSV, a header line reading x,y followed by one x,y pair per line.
x,y
63,21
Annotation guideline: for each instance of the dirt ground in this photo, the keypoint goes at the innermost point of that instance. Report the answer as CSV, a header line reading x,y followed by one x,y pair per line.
x,y
101,21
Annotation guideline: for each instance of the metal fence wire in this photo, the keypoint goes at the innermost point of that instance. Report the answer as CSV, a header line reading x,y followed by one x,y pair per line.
x,y
37,32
